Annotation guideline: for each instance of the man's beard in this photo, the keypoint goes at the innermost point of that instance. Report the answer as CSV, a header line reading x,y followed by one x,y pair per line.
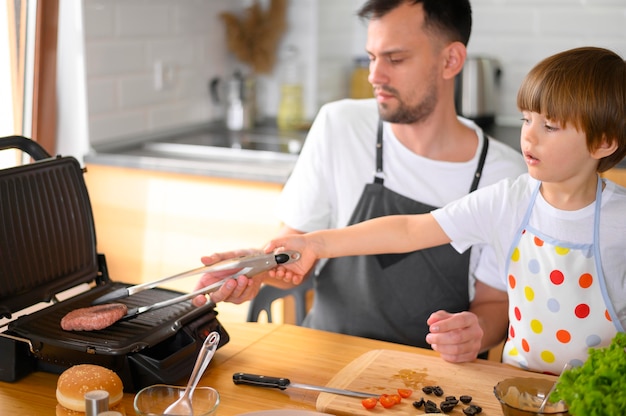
x,y
405,114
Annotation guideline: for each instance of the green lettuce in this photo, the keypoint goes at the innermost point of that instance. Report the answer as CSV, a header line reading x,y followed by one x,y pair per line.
x,y
598,387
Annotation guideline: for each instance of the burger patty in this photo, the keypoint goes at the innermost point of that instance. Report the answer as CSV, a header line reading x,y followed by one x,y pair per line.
x,y
93,318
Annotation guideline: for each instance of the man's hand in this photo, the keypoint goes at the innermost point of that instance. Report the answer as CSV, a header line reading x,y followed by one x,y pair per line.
x,y
234,290
457,337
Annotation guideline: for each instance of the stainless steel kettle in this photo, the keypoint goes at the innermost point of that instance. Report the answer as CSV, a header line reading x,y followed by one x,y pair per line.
x,y
476,89
238,96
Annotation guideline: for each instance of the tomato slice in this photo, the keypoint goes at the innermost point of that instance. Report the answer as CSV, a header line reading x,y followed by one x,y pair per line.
x,y
369,403
404,393
396,398
387,401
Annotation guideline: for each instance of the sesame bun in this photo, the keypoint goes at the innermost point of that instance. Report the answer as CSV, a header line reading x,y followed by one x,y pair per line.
x,y
77,380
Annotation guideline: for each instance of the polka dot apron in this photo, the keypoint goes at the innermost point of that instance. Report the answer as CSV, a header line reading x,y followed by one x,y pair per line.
x,y
558,305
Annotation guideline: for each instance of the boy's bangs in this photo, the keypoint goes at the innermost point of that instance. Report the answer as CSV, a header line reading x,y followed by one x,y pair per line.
x,y
549,93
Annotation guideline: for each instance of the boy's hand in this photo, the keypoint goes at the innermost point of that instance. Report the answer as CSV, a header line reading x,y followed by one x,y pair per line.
x,y
293,272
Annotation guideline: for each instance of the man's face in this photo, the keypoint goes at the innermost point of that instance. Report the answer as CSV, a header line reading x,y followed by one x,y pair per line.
x,y
404,67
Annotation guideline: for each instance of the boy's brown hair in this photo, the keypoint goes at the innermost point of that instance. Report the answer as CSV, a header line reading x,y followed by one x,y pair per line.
x,y
585,87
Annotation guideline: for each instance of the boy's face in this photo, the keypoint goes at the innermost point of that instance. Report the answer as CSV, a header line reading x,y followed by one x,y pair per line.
x,y
553,152
404,65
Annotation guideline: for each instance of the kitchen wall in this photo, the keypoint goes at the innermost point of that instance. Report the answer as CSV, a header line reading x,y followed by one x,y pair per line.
x,y
148,63
125,40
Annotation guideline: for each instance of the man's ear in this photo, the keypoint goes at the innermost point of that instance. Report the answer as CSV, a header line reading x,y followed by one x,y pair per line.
x,y
454,58
606,148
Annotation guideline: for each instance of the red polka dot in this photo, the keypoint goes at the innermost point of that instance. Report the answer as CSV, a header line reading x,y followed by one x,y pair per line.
x,y
563,336
512,331
538,241
525,345
582,310
585,280
518,314
556,277
607,316
512,281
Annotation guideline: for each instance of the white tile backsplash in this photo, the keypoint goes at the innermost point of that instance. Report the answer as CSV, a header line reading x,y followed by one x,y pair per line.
x,y
125,38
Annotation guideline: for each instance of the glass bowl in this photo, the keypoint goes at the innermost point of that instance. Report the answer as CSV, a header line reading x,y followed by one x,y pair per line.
x,y
153,400
522,396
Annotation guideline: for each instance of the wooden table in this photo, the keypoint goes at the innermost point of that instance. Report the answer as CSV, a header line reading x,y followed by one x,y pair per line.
x,y
301,354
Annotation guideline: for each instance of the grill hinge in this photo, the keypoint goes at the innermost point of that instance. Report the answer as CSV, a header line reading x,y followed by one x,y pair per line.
x,y
19,339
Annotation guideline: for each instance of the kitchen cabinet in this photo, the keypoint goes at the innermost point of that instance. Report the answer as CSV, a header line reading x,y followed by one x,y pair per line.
x,y
152,224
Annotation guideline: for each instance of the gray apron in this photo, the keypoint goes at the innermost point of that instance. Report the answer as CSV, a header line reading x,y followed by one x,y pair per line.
x,y
389,297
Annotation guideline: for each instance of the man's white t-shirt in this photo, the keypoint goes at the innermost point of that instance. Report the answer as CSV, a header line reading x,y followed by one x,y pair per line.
x,y
338,160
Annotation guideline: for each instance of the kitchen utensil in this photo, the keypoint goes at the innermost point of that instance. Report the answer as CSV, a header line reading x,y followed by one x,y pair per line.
x,y
566,367
238,96
248,265
154,399
283,383
183,405
476,89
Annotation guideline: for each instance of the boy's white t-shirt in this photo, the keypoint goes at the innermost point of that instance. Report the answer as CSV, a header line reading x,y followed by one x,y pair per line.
x,y
494,215
339,158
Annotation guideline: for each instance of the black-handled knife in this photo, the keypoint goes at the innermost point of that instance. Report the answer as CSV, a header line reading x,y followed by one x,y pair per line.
x,y
282,383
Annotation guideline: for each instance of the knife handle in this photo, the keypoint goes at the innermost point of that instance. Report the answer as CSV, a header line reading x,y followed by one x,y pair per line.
x,y
261,381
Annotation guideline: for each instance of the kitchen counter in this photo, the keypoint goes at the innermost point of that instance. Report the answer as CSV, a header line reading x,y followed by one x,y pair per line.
x,y
264,154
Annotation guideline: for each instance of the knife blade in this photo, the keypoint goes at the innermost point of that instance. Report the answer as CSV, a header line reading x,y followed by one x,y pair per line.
x,y
248,265
282,383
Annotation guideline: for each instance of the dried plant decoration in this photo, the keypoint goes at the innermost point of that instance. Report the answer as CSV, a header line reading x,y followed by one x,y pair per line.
x,y
254,37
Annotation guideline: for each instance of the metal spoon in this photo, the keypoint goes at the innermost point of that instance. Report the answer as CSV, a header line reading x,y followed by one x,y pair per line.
x,y
182,406
566,367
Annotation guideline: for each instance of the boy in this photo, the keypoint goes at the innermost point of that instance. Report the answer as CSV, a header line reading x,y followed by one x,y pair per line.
x,y
557,231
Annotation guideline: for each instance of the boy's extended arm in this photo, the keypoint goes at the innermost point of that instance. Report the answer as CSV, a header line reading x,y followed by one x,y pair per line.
x,y
389,234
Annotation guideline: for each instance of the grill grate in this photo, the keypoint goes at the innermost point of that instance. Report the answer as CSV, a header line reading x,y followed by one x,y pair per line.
x,y
146,329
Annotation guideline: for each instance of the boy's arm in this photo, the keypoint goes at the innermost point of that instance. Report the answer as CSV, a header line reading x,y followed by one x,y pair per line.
x,y
389,234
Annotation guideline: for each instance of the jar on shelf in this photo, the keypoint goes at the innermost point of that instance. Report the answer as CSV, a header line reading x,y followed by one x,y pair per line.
x,y
290,110
360,87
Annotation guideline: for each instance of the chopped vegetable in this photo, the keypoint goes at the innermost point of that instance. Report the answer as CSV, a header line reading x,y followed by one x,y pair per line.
x,y
597,387
404,393
369,403
387,401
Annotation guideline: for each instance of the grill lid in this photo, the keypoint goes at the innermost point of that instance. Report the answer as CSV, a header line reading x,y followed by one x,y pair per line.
x,y
47,233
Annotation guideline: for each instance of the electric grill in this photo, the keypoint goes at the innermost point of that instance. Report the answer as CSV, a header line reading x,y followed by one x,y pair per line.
x,y
48,248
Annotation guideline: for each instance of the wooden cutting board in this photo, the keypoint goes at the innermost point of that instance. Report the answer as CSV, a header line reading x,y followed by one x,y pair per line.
x,y
384,371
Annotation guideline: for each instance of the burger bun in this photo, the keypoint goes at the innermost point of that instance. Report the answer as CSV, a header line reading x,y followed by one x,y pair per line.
x,y
77,380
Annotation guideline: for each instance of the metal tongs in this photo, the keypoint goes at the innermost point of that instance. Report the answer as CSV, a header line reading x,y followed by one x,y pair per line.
x,y
249,265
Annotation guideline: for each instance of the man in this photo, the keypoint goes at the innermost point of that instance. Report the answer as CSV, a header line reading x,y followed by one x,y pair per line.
x,y
419,157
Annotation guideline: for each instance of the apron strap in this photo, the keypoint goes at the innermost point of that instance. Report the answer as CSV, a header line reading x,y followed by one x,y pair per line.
x,y
481,163
379,174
